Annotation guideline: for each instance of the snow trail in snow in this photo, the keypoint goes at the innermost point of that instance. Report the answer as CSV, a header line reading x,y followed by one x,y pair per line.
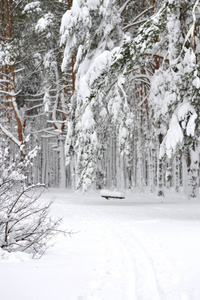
x,y
135,248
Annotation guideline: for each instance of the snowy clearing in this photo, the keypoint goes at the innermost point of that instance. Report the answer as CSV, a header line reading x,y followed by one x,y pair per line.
x,y
137,248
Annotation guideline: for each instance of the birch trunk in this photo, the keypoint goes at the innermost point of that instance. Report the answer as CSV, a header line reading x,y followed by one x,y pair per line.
x,y
193,171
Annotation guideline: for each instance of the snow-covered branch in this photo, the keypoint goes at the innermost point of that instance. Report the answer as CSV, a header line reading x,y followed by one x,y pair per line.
x,y
136,22
35,106
10,136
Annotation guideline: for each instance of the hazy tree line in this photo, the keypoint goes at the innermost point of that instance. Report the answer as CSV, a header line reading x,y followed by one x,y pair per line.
x,y
109,91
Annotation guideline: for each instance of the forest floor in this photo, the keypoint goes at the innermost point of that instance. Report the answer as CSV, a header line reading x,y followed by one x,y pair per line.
x,y
138,248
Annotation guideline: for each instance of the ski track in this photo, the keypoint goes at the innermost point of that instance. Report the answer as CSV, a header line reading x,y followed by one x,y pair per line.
x,y
143,276
133,263
118,264
131,256
151,282
146,287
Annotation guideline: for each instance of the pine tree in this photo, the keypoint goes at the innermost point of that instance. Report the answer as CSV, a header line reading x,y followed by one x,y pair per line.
x,y
173,87
89,31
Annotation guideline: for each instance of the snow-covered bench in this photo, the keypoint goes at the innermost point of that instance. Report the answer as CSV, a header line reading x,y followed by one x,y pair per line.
x,y
112,194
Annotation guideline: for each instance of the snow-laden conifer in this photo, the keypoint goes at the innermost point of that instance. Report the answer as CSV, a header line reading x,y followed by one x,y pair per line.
x,y
89,30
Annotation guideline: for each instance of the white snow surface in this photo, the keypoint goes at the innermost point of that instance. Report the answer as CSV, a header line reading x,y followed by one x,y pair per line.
x,y
138,248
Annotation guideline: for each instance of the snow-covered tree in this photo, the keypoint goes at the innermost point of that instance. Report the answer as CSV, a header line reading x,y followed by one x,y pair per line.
x,y
25,224
12,123
143,89
89,31
38,87
175,85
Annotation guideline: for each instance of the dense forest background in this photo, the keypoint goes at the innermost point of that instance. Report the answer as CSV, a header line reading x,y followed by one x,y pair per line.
x,y
107,92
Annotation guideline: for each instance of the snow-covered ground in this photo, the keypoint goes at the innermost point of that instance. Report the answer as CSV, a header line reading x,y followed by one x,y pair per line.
x,y
137,248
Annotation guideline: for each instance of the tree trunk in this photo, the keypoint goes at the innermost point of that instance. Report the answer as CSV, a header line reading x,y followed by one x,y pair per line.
x,y
62,169
192,161
160,183
177,174
9,101
151,170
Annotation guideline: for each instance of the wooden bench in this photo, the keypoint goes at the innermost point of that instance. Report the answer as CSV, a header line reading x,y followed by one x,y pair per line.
x,y
112,194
